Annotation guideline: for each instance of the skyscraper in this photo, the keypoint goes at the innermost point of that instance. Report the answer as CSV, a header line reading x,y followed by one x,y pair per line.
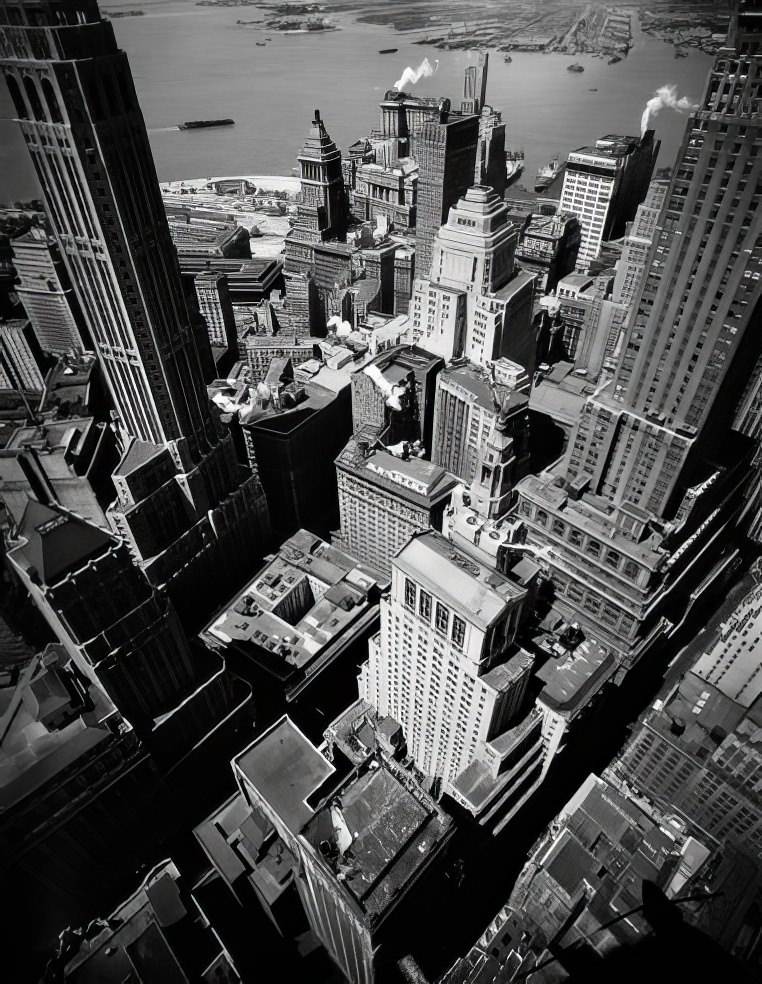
x,y
44,290
445,666
689,348
76,103
121,633
216,309
638,523
475,302
322,216
604,184
446,153
78,112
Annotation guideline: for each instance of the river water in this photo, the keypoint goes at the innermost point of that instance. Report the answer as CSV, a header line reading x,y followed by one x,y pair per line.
x,y
192,62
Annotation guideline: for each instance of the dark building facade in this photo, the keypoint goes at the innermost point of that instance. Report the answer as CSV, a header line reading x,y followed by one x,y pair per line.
x,y
74,96
446,155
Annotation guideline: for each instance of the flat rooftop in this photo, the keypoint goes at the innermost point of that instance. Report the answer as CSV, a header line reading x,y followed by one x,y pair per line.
x,y
569,684
474,383
393,824
306,597
477,592
415,479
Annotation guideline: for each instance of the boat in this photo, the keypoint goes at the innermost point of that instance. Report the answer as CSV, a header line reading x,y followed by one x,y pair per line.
x,y
268,39
507,59
201,124
260,44
387,51
592,90
514,165
614,59
576,67
680,54
548,174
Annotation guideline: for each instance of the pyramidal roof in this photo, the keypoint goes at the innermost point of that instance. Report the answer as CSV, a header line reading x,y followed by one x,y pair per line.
x,y
318,145
58,542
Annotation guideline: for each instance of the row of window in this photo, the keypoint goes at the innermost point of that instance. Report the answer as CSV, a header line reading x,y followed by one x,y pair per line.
x,y
422,602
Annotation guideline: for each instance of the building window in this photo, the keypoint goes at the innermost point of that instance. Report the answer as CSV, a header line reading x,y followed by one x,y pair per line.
x,y
424,605
458,631
409,593
593,548
443,617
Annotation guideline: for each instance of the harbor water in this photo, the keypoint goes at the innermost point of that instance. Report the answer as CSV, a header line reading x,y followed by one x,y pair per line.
x,y
195,62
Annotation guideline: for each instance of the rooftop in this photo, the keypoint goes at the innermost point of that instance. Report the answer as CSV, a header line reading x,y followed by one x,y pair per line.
x,y
415,479
476,591
475,385
308,597
393,826
54,542
569,684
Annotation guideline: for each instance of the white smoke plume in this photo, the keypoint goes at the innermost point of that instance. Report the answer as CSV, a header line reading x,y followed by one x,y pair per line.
x,y
667,97
413,75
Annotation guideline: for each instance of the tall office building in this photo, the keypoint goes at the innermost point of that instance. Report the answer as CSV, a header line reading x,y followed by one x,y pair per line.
x,y
445,149
121,633
322,216
691,346
469,402
76,105
638,524
46,294
216,308
633,264
696,750
20,357
356,839
604,185
446,668
475,302
386,498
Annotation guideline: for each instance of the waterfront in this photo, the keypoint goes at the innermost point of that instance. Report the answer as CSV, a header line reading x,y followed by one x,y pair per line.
x,y
192,62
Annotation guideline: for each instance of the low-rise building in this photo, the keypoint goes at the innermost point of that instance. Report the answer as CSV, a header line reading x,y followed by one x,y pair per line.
x,y
300,613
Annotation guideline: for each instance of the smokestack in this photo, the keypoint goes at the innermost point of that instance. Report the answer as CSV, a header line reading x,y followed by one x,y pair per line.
x,y
317,115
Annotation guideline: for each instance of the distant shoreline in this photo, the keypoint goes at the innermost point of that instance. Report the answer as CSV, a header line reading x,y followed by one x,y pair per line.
x,y
264,182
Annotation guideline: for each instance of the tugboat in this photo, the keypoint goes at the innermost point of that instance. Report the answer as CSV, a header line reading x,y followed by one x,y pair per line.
x,y
388,51
576,67
201,124
548,174
514,165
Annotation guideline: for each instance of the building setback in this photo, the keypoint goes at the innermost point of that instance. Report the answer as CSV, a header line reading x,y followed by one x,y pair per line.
x,y
121,633
75,100
445,149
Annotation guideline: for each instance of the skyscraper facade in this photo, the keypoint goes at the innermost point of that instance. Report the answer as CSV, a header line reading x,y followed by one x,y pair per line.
x,y
689,348
637,525
216,308
44,290
604,185
475,302
322,216
76,105
445,667
446,153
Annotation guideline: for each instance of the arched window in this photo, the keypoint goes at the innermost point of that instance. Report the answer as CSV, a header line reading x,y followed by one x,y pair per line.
x,y
33,97
18,99
54,110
